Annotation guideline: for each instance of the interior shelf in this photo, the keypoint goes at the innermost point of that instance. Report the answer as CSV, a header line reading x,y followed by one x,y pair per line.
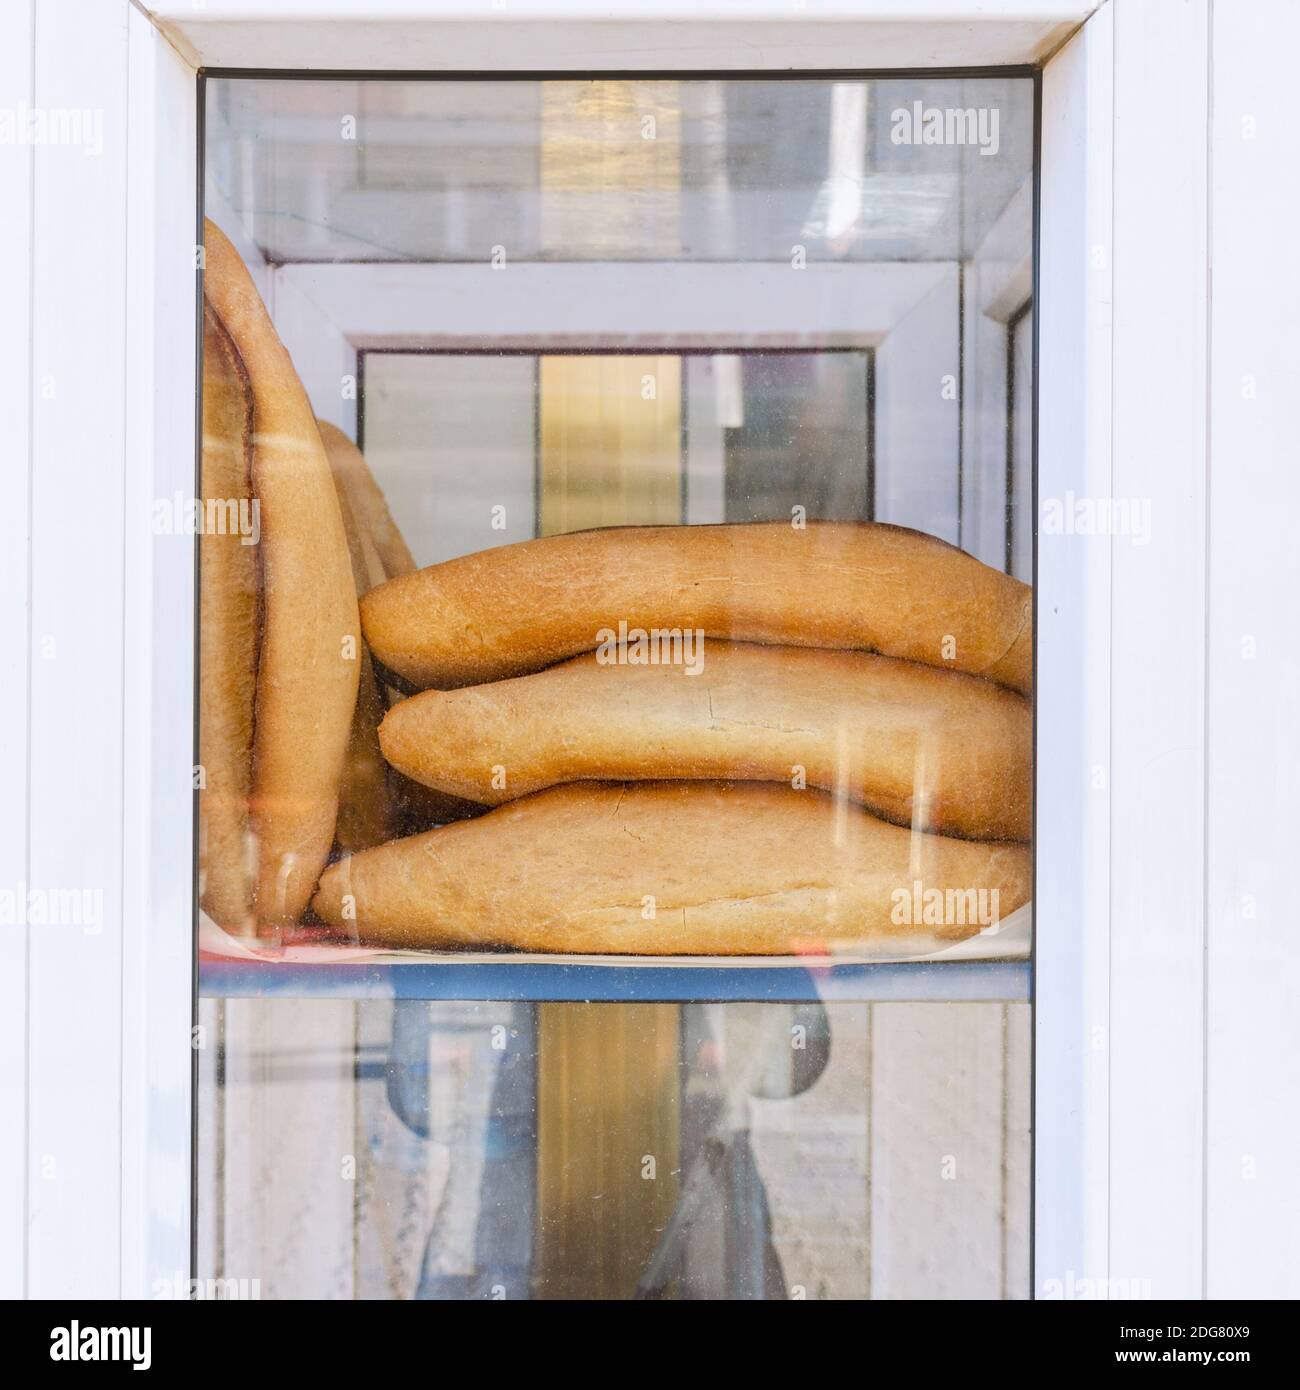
x,y
513,979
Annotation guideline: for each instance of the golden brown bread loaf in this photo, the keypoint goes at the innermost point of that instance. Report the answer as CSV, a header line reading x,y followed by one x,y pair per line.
x,y
935,749
864,586
673,868
229,627
309,657
366,499
376,801
366,815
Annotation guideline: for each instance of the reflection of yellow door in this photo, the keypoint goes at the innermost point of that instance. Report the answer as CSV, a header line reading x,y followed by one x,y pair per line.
x,y
611,442
607,1074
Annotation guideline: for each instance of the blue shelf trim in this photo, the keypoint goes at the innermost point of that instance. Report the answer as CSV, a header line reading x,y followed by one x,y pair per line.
x,y
953,980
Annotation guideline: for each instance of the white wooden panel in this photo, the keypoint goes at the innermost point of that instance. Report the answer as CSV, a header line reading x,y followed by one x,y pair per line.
x,y
1072,893
74,1142
16,411
638,34
158,720
918,407
1158,639
1253,1084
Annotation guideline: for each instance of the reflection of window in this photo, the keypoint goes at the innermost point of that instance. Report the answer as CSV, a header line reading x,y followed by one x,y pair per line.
x,y
1020,443
468,447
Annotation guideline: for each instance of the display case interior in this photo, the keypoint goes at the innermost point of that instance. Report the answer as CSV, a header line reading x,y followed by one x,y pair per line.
x,y
622,686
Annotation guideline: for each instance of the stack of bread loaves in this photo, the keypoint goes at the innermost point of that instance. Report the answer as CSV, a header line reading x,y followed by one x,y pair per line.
x,y
731,740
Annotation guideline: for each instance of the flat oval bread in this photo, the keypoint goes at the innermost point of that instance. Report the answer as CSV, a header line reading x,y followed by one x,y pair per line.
x,y
310,654
673,868
229,635
934,749
855,586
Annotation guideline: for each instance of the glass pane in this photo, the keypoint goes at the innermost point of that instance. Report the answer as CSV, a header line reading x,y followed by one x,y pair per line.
x,y
615,860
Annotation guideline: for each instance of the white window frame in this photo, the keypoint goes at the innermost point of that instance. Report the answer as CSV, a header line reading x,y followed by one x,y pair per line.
x,y
1132,1181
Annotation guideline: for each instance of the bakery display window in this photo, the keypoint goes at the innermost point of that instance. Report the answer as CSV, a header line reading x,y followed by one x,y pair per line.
x,y
616,686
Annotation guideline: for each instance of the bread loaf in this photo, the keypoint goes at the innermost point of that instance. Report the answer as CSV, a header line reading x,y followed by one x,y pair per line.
x,y
229,632
366,499
934,749
376,801
366,813
673,868
860,586
309,656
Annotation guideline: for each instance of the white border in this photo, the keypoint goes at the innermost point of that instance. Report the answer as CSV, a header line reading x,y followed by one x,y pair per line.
x,y
1107,1205
1072,599
158,724
632,35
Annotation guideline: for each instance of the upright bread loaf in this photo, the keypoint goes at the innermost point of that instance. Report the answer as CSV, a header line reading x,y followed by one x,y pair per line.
x,y
918,746
366,499
309,657
862,586
376,801
366,814
673,868
229,634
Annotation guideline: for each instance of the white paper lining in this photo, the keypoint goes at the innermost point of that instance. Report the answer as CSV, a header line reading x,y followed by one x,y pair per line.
x,y
1009,940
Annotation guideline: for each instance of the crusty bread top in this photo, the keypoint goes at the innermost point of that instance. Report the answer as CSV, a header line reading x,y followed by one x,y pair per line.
x,y
666,868
518,608
920,746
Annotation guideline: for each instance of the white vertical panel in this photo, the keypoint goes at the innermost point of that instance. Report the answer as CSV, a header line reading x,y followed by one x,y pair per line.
x,y
1253,1095
1072,893
16,30
158,716
77,655
917,415
1158,641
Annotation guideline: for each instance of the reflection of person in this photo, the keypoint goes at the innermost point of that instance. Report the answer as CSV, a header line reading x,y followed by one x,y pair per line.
x,y
483,1110
480,1102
